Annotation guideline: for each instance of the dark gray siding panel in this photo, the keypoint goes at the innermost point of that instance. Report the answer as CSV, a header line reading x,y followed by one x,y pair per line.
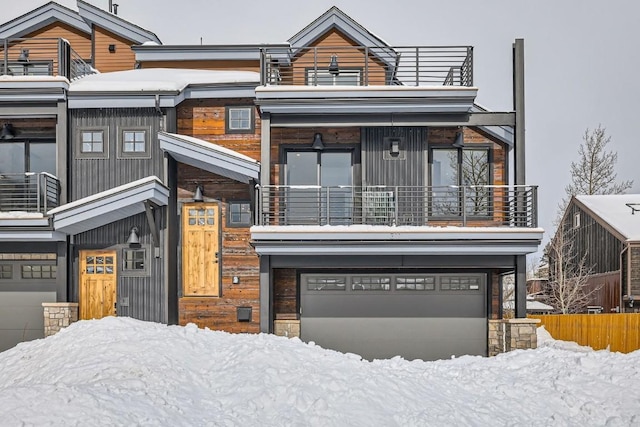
x,y
140,297
407,169
90,176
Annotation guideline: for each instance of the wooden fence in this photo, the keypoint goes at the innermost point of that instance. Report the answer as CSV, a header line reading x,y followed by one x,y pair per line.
x,y
618,332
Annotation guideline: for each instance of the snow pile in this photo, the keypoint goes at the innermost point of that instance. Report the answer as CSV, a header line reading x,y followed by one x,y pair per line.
x,y
119,371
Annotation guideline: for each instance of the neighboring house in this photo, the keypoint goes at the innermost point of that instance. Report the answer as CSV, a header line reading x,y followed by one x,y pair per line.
x,y
329,187
605,230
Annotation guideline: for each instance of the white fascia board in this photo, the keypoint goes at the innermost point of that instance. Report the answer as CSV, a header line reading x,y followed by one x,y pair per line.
x,y
41,17
344,107
401,92
389,233
24,222
115,100
406,249
162,53
196,92
32,236
115,24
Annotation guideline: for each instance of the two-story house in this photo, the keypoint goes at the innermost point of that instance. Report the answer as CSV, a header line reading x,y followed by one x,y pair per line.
x,y
333,187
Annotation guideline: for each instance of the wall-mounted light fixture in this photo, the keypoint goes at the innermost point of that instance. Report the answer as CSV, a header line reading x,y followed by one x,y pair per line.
x,y
24,55
112,48
198,195
458,142
334,69
317,142
394,147
134,239
7,131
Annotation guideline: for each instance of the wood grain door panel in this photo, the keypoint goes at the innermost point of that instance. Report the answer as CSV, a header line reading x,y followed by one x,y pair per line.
x,y
200,250
98,284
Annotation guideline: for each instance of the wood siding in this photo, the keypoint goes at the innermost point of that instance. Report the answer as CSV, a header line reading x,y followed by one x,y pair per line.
x,y
47,50
634,272
90,176
285,288
122,59
205,65
206,120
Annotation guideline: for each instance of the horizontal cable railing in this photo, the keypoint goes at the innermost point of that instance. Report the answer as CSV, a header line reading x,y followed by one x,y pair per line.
x,y
480,205
42,57
365,66
28,192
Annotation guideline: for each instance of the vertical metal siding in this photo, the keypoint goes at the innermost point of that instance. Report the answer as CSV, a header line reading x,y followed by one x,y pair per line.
x,y
90,176
408,172
147,294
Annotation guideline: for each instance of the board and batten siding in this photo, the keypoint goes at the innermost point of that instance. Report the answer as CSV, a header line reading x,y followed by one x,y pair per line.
x,y
91,176
146,294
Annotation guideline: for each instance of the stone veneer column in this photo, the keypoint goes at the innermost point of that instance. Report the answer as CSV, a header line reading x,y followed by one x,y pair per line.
x,y
58,315
512,334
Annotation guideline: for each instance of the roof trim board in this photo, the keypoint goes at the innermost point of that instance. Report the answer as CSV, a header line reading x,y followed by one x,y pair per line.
x,y
115,24
108,206
32,236
209,157
41,17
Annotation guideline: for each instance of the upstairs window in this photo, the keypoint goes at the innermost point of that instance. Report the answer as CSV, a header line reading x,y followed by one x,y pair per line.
x,y
327,78
239,214
134,142
239,120
93,143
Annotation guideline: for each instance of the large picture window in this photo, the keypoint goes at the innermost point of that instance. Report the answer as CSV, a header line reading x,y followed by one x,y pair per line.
x,y
459,181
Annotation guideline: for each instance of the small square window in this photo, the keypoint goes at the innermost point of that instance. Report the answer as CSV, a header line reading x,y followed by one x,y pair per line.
x,y
239,214
92,143
134,143
134,260
240,120
6,271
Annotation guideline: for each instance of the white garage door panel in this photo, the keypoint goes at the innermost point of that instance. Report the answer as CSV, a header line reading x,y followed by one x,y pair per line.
x,y
412,338
21,316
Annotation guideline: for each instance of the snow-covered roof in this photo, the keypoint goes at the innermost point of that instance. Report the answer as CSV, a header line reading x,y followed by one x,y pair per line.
x,y
159,80
612,209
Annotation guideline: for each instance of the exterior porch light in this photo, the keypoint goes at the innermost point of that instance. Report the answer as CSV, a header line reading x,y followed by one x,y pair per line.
x,y
317,142
198,196
7,131
24,56
134,240
394,148
459,141
334,69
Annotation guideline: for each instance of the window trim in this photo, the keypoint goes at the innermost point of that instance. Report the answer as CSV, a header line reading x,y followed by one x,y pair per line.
x,y
146,154
230,223
227,119
93,154
144,272
311,75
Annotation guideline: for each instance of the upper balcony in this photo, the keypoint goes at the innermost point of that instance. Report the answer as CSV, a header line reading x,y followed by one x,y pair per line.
x,y
25,195
41,57
410,66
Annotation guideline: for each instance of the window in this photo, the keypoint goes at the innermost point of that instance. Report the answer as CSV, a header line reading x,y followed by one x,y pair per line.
x,y
325,78
20,156
240,120
325,283
6,271
454,168
239,214
92,143
38,271
418,283
134,142
460,283
134,260
576,220
370,283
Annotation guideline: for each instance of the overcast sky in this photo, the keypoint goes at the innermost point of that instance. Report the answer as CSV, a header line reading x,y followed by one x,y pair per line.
x,y
582,59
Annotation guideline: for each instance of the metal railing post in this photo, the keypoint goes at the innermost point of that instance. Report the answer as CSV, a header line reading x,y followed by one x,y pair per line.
x,y
5,46
395,206
463,206
328,214
38,176
366,66
534,206
417,66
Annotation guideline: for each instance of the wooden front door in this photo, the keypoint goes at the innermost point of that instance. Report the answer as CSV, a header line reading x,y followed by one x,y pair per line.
x,y
97,284
200,250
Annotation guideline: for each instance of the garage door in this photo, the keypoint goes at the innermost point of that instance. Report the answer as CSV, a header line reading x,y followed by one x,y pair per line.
x,y
21,316
416,316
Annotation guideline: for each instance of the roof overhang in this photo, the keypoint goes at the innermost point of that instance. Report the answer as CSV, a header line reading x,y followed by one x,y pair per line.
x,y
115,24
210,157
41,17
33,89
365,99
109,206
383,240
32,235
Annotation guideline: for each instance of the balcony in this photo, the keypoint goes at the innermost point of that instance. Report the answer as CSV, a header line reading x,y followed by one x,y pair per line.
x,y
367,66
465,206
41,57
31,193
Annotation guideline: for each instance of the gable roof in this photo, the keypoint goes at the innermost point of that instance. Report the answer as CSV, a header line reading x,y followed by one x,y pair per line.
x,y
41,17
82,20
335,18
612,210
115,24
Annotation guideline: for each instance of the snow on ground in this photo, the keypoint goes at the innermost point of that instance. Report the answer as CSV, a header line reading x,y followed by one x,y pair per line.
x,y
120,371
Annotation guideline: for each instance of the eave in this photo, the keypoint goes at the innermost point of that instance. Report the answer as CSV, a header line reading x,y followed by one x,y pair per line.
x,y
41,17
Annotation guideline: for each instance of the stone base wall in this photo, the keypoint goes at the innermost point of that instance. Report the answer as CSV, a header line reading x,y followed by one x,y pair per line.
x,y
512,334
58,315
287,328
